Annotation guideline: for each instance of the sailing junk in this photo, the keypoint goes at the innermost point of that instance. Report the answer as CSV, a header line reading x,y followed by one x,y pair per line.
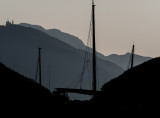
x,y
64,91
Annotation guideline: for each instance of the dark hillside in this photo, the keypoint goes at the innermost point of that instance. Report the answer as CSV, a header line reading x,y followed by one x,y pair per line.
x,y
19,90
136,89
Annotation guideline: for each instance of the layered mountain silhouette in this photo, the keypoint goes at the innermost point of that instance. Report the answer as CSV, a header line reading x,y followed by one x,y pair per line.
x,y
120,60
136,89
61,63
124,60
67,38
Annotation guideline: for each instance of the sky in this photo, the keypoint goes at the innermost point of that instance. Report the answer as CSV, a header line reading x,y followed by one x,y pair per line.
x,y
119,23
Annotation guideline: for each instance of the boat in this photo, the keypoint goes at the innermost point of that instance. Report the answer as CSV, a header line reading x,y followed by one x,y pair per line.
x,y
94,91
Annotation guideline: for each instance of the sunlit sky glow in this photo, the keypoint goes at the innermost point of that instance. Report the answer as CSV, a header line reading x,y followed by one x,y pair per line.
x,y
119,23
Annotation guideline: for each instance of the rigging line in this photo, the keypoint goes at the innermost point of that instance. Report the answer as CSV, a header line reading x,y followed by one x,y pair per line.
x,y
89,69
84,67
74,82
85,63
88,72
77,83
81,80
129,62
86,55
89,41
89,66
89,58
79,76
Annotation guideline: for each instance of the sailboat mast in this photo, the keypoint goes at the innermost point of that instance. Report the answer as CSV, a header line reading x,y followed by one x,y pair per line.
x,y
132,58
94,47
39,65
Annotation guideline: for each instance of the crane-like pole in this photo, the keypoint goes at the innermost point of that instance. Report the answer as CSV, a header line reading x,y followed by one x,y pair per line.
x,y
39,60
132,56
94,47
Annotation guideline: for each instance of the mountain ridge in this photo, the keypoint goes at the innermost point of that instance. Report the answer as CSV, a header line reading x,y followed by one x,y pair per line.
x,y
19,51
65,37
123,60
120,60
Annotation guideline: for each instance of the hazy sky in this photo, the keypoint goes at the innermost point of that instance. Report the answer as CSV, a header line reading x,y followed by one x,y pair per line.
x,y
119,23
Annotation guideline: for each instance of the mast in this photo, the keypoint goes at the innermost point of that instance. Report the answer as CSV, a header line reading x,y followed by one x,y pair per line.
x,y
94,83
132,56
94,47
49,78
39,58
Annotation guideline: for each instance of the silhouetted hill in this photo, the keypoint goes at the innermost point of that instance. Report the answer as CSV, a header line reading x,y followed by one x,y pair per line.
x,y
62,64
136,89
123,60
19,90
65,37
23,95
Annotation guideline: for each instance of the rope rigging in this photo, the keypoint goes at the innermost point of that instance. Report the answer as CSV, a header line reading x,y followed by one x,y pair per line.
x,y
87,66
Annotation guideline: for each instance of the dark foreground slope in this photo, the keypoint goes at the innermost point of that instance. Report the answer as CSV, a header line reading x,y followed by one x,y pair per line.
x,y
23,96
136,89
22,93
17,90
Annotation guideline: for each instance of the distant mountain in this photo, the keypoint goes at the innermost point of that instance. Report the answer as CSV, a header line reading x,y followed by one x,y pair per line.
x,y
78,44
65,37
120,60
61,63
123,60
136,89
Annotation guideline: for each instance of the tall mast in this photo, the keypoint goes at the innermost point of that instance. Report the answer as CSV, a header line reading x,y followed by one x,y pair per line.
x,y
49,78
132,56
39,58
94,47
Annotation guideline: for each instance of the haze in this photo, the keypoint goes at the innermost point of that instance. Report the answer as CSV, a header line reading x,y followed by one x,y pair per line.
x,y
119,23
